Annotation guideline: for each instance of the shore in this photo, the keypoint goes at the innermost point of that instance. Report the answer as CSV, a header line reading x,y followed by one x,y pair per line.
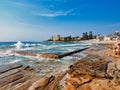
x,y
99,70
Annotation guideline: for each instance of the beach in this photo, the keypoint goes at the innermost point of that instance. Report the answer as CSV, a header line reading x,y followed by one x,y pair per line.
x,y
87,70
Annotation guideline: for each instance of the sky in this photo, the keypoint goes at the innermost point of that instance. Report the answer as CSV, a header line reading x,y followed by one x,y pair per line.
x,y
38,20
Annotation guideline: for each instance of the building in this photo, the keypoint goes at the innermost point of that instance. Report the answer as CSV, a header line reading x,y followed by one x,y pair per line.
x,y
59,38
55,37
107,38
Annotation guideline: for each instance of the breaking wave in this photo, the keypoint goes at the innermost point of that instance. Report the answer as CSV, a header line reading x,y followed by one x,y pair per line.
x,y
19,45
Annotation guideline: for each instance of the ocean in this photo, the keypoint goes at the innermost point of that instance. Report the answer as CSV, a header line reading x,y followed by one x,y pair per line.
x,y
41,65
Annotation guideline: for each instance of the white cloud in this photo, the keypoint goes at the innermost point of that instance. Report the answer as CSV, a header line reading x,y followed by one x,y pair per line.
x,y
41,10
54,14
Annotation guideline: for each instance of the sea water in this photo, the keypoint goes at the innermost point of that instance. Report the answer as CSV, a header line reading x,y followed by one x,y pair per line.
x,y
41,65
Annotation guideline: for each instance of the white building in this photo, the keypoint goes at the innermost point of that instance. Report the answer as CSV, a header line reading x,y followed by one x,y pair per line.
x,y
56,37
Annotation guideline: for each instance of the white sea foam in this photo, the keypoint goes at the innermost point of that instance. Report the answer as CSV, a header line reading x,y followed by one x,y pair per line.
x,y
15,61
2,55
68,58
30,45
6,54
9,52
19,45
71,45
22,46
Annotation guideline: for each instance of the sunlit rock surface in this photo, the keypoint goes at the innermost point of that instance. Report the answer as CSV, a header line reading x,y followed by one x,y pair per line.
x,y
93,73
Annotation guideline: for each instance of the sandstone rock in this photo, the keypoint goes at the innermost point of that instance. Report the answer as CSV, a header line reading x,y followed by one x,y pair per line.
x,y
93,74
112,71
86,87
50,56
41,83
10,79
96,68
26,53
55,83
69,86
37,62
24,86
104,84
76,81
118,64
5,68
10,72
6,87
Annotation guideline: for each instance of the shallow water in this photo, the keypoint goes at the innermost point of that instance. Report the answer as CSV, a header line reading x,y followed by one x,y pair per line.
x,y
42,65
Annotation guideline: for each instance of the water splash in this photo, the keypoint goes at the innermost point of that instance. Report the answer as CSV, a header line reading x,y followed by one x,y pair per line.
x,y
19,45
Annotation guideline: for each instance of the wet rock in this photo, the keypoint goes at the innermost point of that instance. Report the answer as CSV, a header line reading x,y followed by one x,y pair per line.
x,y
5,68
50,56
10,72
72,52
15,77
28,68
26,53
11,78
37,62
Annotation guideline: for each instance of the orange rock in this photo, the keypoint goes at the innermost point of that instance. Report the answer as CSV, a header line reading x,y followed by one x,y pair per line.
x,y
23,86
40,83
85,88
50,56
79,80
70,87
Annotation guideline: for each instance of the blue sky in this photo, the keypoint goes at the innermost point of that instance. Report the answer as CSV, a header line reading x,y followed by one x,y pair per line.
x,y
37,20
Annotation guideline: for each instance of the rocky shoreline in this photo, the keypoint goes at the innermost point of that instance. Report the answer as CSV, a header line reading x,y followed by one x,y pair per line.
x,y
93,74
99,70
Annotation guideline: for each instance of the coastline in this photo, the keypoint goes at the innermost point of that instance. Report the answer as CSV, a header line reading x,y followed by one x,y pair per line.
x,y
100,70
98,56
